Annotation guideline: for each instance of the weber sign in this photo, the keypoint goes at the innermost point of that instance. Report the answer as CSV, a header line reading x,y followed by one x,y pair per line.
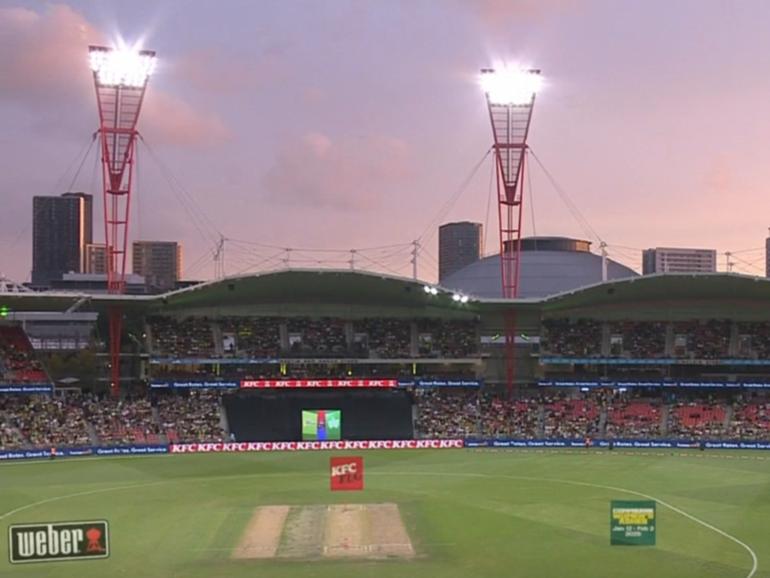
x,y
346,473
58,541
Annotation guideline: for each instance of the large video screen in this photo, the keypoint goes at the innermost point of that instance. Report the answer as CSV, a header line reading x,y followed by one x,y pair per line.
x,y
321,424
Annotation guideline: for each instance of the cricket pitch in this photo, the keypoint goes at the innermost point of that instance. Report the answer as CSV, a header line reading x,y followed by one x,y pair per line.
x,y
339,531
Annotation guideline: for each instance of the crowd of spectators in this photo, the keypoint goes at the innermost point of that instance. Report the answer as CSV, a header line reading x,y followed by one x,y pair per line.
x,y
18,362
452,339
633,419
750,420
382,338
596,414
754,340
191,418
189,337
123,421
307,337
637,339
453,413
695,339
42,421
570,417
324,337
702,340
503,417
80,420
580,338
255,337
695,419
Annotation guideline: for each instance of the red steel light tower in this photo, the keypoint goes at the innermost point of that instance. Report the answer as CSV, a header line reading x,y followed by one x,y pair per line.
x,y
510,98
120,78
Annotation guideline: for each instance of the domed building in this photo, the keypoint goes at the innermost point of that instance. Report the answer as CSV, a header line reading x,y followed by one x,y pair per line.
x,y
549,265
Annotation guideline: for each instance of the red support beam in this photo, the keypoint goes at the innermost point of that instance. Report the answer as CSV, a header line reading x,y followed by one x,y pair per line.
x,y
120,79
510,114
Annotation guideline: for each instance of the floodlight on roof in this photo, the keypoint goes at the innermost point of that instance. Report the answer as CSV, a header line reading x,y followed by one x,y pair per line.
x,y
514,86
121,67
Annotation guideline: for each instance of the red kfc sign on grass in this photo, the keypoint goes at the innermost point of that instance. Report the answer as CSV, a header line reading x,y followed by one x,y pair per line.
x,y
346,473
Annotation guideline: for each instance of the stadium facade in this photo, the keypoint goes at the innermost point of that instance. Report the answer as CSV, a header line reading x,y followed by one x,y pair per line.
x,y
661,303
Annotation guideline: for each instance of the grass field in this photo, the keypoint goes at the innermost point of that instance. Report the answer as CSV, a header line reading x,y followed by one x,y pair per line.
x,y
468,512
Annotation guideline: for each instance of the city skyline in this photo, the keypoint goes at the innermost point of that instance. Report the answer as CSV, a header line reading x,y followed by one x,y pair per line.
x,y
350,124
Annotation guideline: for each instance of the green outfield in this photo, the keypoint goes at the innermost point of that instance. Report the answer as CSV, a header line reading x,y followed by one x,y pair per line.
x,y
468,513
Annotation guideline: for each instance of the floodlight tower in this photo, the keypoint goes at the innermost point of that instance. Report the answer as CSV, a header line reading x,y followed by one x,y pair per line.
x,y
510,96
120,78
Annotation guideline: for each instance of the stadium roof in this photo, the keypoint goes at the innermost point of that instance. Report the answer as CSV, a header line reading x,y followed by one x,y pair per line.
x,y
719,294
729,293
267,290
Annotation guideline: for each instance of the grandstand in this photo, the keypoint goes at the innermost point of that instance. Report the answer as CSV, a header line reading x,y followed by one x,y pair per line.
x,y
677,357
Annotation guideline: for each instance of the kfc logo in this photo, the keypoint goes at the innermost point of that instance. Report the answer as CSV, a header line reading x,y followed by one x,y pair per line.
x,y
346,473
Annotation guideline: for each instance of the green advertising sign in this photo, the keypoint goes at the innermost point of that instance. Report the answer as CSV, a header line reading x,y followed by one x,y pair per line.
x,y
632,523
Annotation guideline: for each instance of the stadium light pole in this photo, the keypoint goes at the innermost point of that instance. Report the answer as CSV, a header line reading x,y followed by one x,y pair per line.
x,y
120,79
510,96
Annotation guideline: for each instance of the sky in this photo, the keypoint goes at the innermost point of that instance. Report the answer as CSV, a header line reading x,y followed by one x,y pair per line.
x,y
350,124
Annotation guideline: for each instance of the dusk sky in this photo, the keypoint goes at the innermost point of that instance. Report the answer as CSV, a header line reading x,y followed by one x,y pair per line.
x,y
340,124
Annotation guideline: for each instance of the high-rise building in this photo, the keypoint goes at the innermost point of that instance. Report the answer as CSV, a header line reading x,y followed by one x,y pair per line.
x,y
459,245
159,262
96,259
677,260
61,228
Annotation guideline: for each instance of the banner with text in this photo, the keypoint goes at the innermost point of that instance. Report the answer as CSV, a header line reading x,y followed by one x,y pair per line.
x,y
238,447
632,522
620,444
66,452
26,388
194,385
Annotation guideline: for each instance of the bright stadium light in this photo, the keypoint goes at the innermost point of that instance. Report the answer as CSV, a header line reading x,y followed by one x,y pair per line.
x,y
122,67
515,86
460,298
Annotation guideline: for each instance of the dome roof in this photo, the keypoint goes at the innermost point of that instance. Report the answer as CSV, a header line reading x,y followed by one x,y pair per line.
x,y
549,265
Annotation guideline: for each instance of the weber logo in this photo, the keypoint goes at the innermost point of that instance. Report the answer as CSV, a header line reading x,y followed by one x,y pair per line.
x,y
58,541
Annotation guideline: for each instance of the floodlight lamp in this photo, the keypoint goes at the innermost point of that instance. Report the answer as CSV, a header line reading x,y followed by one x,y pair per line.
x,y
464,299
121,67
510,86
456,297
426,288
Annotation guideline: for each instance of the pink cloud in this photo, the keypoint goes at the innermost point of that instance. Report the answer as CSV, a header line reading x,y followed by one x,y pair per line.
x,y
349,172
212,70
168,119
500,14
44,67
43,55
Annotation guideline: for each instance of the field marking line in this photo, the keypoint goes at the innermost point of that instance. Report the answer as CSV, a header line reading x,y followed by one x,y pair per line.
x,y
77,494
754,559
